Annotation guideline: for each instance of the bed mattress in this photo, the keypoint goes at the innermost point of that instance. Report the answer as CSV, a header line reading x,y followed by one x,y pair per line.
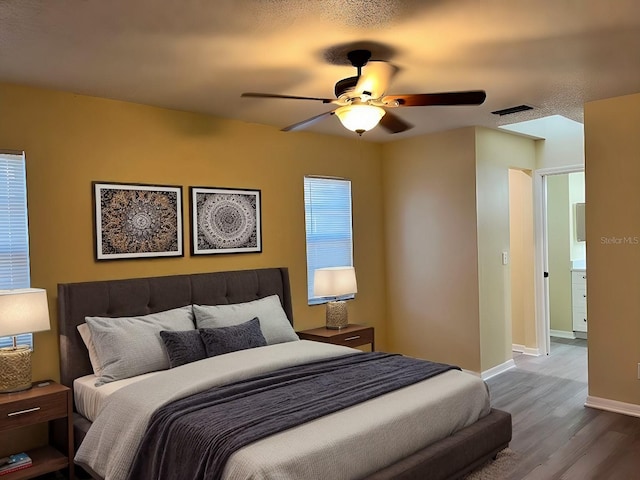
x,y
348,444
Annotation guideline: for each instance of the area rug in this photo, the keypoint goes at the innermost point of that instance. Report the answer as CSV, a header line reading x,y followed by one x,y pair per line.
x,y
497,469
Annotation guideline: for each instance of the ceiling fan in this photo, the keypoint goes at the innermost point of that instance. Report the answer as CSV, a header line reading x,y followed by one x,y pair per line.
x,y
362,100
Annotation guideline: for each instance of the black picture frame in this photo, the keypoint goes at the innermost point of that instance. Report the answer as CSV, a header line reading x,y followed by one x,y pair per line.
x,y
225,220
137,221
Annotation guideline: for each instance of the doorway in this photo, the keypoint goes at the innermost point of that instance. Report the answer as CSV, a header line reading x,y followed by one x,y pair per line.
x,y
566,256
560,254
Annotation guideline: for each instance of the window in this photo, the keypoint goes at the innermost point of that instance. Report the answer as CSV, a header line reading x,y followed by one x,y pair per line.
x,y
327,212
14,233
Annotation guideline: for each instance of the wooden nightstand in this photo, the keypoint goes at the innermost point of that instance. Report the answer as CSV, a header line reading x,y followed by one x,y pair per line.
x,y
351,336
47,403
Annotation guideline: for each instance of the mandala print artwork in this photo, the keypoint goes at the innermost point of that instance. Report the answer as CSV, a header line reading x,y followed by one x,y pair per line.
x,y
226,221
139,222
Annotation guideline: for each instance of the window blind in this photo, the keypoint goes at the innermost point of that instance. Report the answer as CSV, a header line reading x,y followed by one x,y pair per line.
x,y
14,230
328,223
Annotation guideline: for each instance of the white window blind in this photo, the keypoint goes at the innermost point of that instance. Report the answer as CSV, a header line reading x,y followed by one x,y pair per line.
x,y
328,222
14,230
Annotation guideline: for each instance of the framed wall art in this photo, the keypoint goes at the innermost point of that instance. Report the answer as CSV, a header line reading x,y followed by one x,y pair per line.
x,y
137,221
225,220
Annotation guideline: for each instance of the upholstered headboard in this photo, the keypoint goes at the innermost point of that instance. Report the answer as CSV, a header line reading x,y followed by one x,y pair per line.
x,y
141,296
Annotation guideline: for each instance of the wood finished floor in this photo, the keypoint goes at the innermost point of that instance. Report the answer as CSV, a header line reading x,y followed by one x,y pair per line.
x,y
555,435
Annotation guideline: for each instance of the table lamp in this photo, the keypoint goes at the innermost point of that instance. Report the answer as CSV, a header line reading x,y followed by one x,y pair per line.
x,y
335,282
21,311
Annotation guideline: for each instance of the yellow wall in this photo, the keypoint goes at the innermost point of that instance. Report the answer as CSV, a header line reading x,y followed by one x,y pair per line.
x,y
431,247
72,140
612,175
496,153
446,199
521,237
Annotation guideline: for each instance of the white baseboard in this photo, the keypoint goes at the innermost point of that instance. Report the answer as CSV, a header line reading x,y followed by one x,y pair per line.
x,y
562,334
526,350
498,369
613,406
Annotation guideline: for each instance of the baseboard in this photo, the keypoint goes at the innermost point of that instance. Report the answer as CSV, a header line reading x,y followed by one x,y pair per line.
x,y
525,350
613,406
498,369
562,334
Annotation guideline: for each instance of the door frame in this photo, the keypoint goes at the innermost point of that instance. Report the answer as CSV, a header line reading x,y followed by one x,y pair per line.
x,y
543,321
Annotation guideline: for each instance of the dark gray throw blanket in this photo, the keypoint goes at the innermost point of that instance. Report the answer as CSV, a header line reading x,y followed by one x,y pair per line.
x,y
192,438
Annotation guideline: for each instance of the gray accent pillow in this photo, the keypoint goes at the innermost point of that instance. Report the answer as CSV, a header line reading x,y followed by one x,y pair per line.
x,y
183,347
219,341
130,346
273,319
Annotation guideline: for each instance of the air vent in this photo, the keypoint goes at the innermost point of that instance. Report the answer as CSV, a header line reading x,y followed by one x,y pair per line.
x,y
510,110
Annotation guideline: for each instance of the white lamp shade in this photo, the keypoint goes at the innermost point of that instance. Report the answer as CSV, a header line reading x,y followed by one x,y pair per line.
x,y
23,311
334,281
360,118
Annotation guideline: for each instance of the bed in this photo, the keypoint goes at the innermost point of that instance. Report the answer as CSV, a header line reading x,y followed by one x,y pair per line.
x,y
449,457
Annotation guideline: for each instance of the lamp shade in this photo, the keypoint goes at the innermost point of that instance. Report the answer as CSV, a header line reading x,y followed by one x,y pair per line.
x,y
360,117
334,281
23,311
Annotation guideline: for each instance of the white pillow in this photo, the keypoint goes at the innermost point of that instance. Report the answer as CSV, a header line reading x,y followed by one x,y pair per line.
x,y
130,346
274,323
85,333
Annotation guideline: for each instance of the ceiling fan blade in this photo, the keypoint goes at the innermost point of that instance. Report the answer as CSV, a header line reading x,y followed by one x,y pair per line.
x,y
394,124
472,97
375,79
275,95
307,122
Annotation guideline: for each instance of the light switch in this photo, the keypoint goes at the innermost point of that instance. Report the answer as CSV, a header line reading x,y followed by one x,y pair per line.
x,y
505,258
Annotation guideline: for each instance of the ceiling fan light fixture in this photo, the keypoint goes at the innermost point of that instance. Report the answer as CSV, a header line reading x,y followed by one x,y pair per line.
x,y
360,118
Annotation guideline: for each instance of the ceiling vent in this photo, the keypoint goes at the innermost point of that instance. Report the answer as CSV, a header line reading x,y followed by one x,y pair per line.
x,y
510,110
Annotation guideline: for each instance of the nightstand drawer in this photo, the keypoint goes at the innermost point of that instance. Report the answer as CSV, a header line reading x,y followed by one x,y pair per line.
x,y
353,335
354,339
33,410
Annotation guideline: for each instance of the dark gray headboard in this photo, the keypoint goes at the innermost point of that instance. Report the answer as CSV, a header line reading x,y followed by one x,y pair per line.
x,y
141,296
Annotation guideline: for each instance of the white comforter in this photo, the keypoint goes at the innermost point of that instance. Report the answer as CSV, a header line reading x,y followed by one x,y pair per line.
x,y
344,445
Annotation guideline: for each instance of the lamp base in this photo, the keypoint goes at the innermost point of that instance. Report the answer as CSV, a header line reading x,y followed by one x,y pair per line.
x,y
337,316
15,369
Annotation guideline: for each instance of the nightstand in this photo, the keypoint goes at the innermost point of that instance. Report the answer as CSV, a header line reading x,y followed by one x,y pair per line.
x,y
351,336
50,402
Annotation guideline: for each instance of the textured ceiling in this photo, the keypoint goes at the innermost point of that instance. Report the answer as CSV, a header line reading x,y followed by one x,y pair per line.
x,y
200,55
